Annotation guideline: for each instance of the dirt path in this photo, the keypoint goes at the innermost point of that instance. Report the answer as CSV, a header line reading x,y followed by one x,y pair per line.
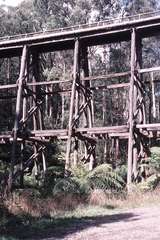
x,y
136,224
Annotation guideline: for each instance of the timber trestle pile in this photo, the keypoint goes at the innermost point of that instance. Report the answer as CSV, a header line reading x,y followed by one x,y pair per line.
x,y
29,95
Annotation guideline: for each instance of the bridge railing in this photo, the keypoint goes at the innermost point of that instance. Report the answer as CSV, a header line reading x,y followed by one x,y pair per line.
x,y
109,21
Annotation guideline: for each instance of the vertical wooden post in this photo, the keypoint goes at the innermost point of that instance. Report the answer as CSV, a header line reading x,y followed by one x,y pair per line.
x,y
153,96
135,159
41,126
112,152
63,112
89,114
24,115
87,84
17,114
92,100
71,112
35,126
117,150
104,107
75,162
37,122
137,94
131,101
142,115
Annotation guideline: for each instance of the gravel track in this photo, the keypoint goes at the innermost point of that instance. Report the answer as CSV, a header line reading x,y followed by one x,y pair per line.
x,y
134,224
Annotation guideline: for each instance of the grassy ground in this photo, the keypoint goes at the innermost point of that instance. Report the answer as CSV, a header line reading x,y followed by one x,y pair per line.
x,y
26,226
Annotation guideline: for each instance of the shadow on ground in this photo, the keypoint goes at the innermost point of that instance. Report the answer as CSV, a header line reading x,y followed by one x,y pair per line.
x,y
58,227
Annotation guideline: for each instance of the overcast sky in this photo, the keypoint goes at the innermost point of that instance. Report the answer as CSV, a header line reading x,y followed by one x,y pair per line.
x,y
10,2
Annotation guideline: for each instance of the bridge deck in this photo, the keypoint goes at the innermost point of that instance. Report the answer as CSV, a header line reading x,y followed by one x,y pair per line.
x,y
109,31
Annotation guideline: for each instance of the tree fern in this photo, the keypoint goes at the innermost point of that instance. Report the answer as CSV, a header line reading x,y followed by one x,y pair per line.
x,y
104,177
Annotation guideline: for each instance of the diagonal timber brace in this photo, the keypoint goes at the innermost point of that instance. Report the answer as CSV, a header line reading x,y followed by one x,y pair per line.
x,y
17,114
34,97
78,109
23,115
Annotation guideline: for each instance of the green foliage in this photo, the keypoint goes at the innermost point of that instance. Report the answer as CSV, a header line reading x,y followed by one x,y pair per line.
x,y
154,160
151,167
122,171
104,177
80,176
76,184
52,175
80,171
66,186
150,183
82,181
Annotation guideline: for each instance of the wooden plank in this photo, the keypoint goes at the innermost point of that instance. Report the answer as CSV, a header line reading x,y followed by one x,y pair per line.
x,y
8,86
106,77
50,133
101,77
121,135
148,70
94,130
44,83
111,86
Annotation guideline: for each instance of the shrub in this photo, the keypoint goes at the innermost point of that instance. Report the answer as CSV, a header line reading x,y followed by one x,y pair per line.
x,y
66,185
122,171
52,175
154,160
82,182
150,183
104,177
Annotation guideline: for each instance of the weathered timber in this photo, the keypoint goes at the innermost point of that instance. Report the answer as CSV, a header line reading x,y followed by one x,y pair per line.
x,y
17,114
131,95
101,77
153,96
111,86
71,112
119,130
92,33
34,93
121,135
148,70
88,101
138,105
106,77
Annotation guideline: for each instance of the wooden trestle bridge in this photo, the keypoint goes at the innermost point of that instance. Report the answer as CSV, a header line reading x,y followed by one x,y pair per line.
x,y
30,93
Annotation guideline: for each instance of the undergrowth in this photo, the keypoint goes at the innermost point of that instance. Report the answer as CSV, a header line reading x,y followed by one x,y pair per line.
x,y
25,224
62,201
